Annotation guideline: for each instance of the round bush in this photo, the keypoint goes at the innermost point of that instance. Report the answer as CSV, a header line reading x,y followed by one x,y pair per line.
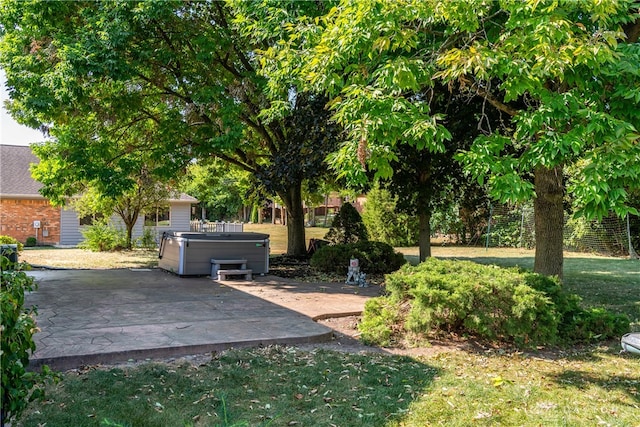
x,y
488,302
374,258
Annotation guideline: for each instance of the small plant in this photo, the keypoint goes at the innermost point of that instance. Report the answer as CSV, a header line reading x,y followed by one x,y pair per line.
x,y
8,240
31,241
374,257
148,239
102,237
347,227
18,325
382,314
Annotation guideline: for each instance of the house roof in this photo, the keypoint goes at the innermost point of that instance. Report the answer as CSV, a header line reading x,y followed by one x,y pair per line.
x,y
16,180
182,197
15,173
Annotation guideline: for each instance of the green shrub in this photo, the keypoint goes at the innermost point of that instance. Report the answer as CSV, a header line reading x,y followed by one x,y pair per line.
x,y
19,387
8,240
148,239
347,227
102,237
31,241
383,221
576,323
374,258
377,327
488,302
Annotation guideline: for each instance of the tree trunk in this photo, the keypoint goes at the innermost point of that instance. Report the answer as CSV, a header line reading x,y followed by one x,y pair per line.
x,y
549,221
273,212
424,234
129,219
292,200
326,213
129,236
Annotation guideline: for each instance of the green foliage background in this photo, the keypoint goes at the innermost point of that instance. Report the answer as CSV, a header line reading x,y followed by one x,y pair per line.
x,y
385,222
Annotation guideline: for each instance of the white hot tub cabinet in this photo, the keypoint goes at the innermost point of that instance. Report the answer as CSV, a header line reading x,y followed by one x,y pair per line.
x,y
190,253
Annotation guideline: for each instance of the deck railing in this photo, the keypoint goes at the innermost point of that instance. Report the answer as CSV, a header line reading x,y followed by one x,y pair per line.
x,y
217,227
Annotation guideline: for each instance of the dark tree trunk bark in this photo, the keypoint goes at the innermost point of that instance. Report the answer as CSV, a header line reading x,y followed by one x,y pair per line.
x,y
549,221
129,220
292,200
424,211
129,242
424,234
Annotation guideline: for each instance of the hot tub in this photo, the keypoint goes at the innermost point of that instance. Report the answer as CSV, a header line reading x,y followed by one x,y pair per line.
x,y
189,253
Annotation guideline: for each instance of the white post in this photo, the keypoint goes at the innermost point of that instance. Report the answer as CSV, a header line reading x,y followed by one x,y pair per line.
x,y
632,252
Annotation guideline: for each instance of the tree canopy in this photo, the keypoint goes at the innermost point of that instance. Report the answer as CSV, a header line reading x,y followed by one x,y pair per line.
x,y
562,70
248,81
98,74
221,190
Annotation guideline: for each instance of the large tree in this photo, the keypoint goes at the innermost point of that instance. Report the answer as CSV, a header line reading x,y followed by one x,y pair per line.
x,y
95,72
103,177
426,181
565,72
221,190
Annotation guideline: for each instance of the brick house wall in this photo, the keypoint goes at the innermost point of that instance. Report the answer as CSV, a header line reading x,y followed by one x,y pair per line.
x,y
17,217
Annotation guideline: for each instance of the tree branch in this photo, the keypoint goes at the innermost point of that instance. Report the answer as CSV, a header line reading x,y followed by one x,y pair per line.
x,y
632,30
236,162
489,96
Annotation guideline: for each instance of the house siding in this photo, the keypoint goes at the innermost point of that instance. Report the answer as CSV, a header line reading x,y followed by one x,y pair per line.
x,y
180,219
18,215
117,222
70,227
72,231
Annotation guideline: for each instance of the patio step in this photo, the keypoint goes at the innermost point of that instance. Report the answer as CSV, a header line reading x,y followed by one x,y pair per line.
x,y
222,274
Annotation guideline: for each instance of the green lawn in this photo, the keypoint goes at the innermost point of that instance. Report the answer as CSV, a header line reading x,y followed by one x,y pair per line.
x,y
285,386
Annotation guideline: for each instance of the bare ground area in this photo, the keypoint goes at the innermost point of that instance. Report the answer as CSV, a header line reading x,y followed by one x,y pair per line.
x,y
346,340
84,259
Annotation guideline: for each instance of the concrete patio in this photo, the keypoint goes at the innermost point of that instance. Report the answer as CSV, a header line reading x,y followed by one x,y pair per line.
x,y
105,316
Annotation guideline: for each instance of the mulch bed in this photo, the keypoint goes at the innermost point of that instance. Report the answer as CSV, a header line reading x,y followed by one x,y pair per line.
x,y
290,267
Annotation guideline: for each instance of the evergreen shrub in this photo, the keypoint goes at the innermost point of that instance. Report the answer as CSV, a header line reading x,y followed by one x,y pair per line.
x,y
385,223
347,227
374,258
488,302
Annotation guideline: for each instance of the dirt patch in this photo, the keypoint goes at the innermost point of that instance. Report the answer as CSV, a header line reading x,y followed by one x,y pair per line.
x,y
346,339
75,258
290,267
